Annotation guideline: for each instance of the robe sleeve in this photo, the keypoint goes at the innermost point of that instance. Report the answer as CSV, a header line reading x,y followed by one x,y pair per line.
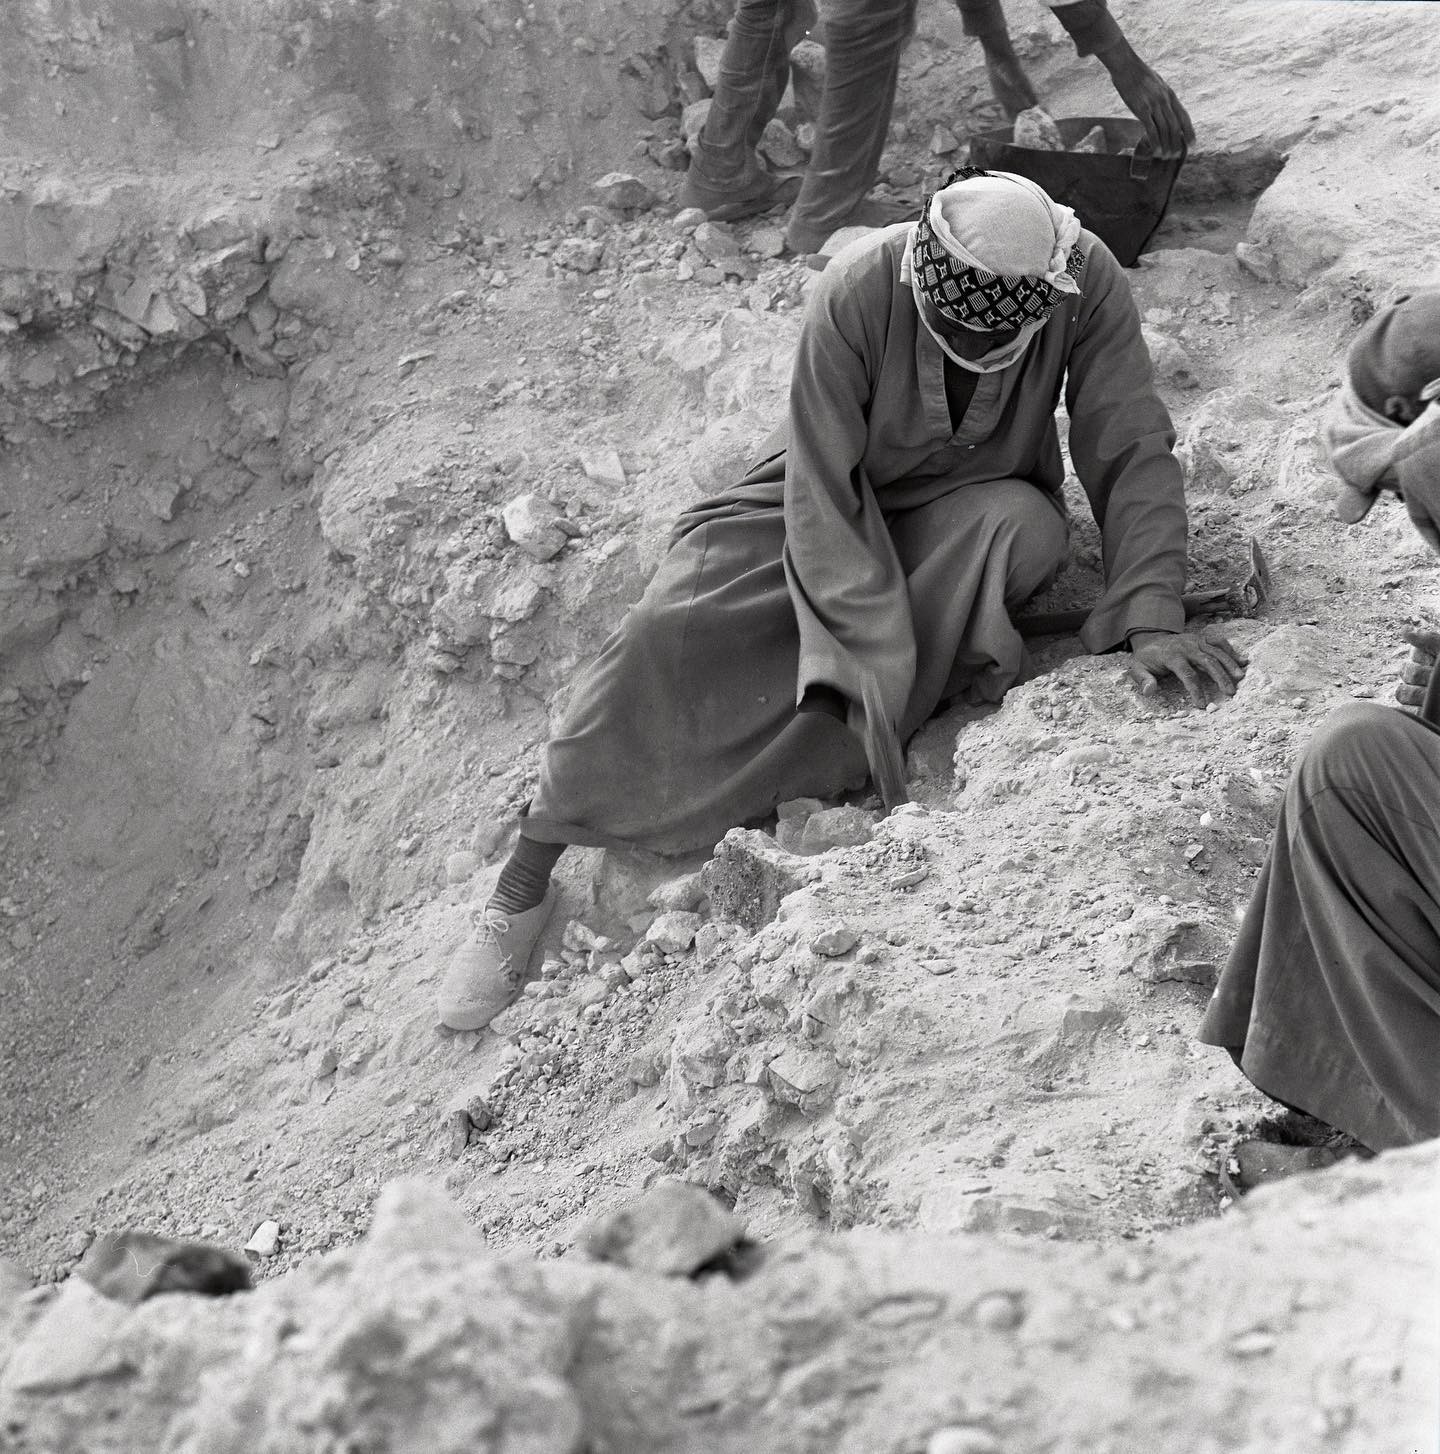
x,y
845,579
1122,447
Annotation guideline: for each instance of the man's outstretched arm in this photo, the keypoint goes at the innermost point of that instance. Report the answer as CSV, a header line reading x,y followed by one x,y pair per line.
x,y
1095,32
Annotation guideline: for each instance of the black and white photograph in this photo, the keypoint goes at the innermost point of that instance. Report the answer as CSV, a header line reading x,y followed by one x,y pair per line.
x,y
719,727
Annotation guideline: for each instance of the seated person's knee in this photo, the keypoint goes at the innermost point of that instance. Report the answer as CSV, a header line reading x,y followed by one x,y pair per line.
x,y
1352,736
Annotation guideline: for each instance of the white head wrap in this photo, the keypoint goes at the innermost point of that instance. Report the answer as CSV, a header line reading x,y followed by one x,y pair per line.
x,y
1008,230
1005,224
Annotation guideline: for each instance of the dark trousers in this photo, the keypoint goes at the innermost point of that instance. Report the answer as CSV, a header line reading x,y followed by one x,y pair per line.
x,y
863,42
1330,1000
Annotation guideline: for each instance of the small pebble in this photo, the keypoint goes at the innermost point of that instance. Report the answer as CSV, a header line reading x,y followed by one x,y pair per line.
x,y
265,1241
1254,1344
834,942
962,1439
999,1311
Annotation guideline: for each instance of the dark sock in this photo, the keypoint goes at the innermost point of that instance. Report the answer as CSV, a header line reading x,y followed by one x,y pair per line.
x,y
526,875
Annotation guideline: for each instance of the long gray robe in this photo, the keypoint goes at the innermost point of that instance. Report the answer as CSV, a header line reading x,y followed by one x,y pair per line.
x,y
1330,1000
874,537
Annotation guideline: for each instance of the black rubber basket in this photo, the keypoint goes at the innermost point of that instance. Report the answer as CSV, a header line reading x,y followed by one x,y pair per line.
x,y
1121,198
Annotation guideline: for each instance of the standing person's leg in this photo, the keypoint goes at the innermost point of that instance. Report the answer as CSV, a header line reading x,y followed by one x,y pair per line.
x,y
972,557
1330,1001
985,21
863,42
799,17
725,178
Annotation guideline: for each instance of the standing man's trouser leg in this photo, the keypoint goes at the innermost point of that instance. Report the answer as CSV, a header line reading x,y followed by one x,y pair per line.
x,y
863,42
754,70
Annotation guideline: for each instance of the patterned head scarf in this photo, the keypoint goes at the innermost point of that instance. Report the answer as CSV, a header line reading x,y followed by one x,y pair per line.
x,y
991,251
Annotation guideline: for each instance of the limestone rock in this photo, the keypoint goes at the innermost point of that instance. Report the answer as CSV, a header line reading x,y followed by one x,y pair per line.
x,y
14,1280
579,254
807,76
461,865
962,1439
721,455
1031,1216
693,354
685,893
602,466
74,1342
832,943
623,192
1291,663
749,875
626,881
1259,262
673,1230
1036,129
802,1078
265,1241
419,1338
699,1054
674,931
844,827
1262,1162
708,50
1206,469
767,242
1084,1019
1169,360
1171,946
531,521
717,242
943,142
779,147
1092,143
692,123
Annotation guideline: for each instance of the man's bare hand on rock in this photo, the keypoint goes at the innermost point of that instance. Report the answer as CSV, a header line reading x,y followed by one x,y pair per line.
x,y
1196,661
1415,674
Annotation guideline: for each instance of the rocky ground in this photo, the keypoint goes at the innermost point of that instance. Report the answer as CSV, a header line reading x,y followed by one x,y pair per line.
x,y
1244,1340
340,423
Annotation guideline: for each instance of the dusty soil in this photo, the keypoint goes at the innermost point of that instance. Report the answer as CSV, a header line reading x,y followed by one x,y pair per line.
x,y
273,677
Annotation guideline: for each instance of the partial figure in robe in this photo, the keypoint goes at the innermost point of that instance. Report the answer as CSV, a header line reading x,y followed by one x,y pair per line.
x,y
910,503
1330,1000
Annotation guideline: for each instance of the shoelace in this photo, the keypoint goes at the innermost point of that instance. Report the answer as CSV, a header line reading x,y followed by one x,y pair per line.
x,y
493,921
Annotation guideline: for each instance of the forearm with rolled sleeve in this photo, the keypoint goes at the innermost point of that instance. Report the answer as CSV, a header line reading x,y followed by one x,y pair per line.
x,y
1088,23
1122,447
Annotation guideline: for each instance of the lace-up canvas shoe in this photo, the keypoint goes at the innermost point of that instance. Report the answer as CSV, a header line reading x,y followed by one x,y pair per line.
x,y
485,975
